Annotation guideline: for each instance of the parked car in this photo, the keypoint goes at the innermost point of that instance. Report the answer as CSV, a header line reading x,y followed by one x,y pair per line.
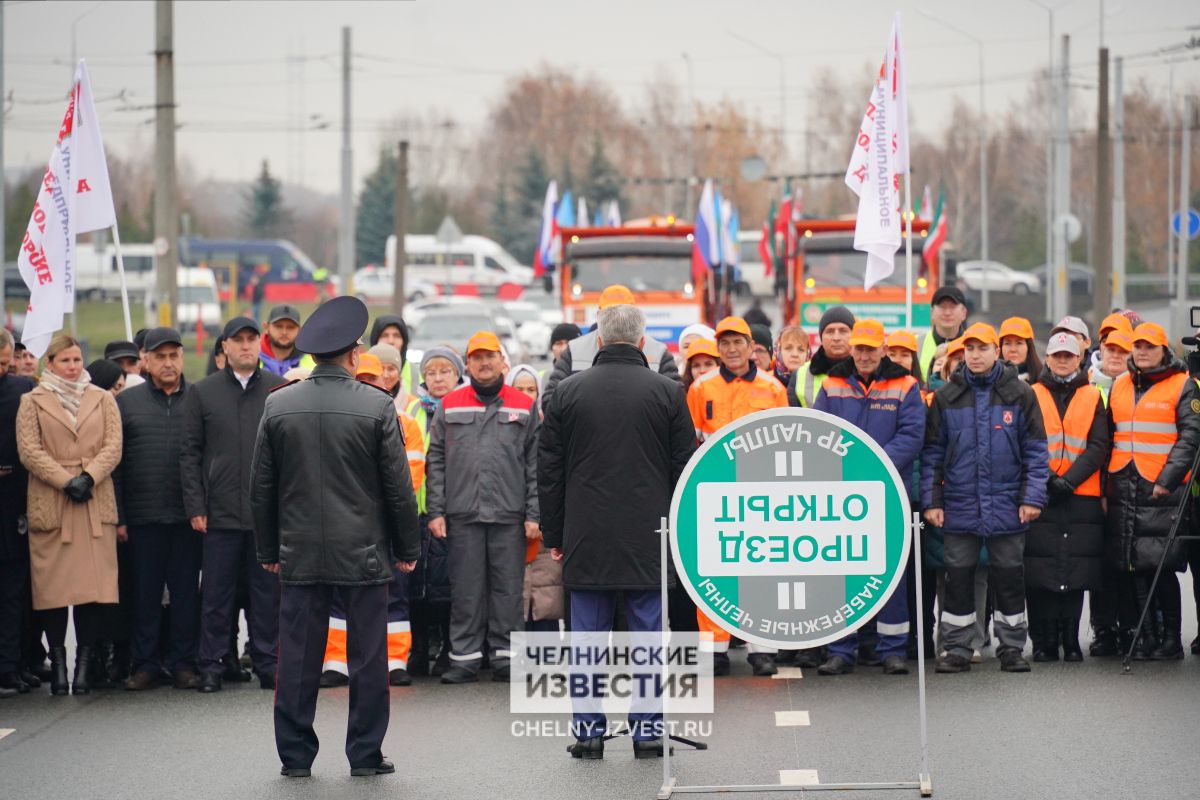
x,y
999,277
548,303
417,310
1080,277
374,285
455,325
198,301
533,332
14,284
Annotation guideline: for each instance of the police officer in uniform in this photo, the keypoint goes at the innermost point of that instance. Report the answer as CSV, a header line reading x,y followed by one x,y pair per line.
x,y
333,509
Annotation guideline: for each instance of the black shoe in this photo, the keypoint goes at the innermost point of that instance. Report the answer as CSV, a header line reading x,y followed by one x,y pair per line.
x,y
12,680
331,678
267,681
1170,649
42,671
720,664
810,658
591,749
296,772
58,670
1196,646
1013,661
384,767
441,664
101,663
1043,654
1142,648
953,662
210,682
894,665
1068,634
651,748
763,664
457,674
186,679
868,657
234,673
30,680
502,674
836,665
82,678
399,677
118,668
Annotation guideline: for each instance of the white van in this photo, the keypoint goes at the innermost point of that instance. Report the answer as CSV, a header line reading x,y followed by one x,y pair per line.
x,y
198,300
474,260
96,275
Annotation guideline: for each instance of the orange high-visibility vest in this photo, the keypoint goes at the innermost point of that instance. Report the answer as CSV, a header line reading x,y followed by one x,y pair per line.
x,y
1066,437
1145,432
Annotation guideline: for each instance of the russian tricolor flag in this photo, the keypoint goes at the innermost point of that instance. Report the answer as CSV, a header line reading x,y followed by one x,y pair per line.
x,y
706,239
543,257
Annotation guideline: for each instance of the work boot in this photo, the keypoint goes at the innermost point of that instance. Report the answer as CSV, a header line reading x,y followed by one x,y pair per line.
x,y
894,665
1013,661
867,656
589,749
836,665
442,663
83,664
953,662
721,664
28,678
810,657
457,674
1045,641
12,680
331,678
763,664
502,674
1169,649
1105,643
399,677
1068,634
234,672
58,672
1142,648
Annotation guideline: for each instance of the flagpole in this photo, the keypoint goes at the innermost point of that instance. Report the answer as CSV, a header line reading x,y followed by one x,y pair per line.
x,y
124,288
908,276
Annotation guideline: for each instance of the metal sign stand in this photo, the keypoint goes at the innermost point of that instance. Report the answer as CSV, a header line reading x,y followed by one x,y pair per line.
x,y
924,782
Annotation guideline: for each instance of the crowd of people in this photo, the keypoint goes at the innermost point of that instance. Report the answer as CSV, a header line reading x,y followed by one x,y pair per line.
x,y
1045,472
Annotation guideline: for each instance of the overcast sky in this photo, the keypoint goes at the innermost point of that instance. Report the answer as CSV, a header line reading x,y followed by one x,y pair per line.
x,y
241,99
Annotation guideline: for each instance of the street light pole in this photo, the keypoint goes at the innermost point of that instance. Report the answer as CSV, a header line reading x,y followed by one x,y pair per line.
x,y
691,143
983,177
1048,286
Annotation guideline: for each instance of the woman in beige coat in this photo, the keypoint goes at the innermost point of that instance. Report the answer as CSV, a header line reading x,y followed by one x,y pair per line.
x,y
69,438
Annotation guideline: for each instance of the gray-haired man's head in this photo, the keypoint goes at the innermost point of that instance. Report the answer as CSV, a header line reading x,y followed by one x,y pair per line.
x,y
621,324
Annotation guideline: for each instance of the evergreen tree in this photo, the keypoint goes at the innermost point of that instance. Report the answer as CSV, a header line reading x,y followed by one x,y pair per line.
x,y
376,217
602,181
532,180
266,215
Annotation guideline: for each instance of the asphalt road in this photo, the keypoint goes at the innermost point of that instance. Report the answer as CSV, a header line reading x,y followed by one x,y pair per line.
x,y
1063,731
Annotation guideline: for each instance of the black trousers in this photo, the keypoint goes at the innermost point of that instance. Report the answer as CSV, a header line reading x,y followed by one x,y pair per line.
x,y
165,555
1006,578
14,580
303,629
1166,597
1051,608
229,557
93,621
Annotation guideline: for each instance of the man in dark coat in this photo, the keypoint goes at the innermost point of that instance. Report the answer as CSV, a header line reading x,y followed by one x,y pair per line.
x,y
164,550
14,549
333,508
221,422
616,439
984,471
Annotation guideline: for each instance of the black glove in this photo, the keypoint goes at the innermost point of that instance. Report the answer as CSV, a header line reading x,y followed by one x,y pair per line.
x,y
79,488
1058,485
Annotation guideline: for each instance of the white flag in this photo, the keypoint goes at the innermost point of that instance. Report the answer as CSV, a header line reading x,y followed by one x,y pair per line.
x,y
880,156
75,197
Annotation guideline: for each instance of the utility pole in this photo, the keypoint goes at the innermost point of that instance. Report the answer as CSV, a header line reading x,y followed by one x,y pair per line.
x,y
166,218
1118,201
346,223
1103,219
983,186
1185,194
1170,173
400,229
1062,203
688,208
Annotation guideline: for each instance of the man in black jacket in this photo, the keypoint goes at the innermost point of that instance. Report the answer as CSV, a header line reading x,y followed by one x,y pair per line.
x,y
221,422
164,549
14,549
615,441
333,508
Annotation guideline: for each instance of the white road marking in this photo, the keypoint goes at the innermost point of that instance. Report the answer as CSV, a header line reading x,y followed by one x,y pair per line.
x,y
6,731
788,674
795,718
798,777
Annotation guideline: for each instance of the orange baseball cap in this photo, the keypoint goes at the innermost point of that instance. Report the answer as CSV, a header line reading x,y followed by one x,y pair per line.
x,y
734,325
1116,322
1016,326
867,332
484,340
955,346
981,332
702,347
903,339
369,365
1121,339
1152,333
616,295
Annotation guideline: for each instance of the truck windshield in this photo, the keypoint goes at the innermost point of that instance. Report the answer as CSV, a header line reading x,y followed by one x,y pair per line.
x,y
196,294
639,273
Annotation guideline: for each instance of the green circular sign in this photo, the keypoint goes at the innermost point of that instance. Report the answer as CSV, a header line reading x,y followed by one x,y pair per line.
x,y
790,528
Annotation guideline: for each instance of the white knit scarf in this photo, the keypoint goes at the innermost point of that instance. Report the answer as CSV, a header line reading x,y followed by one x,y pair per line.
x,y
69,393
